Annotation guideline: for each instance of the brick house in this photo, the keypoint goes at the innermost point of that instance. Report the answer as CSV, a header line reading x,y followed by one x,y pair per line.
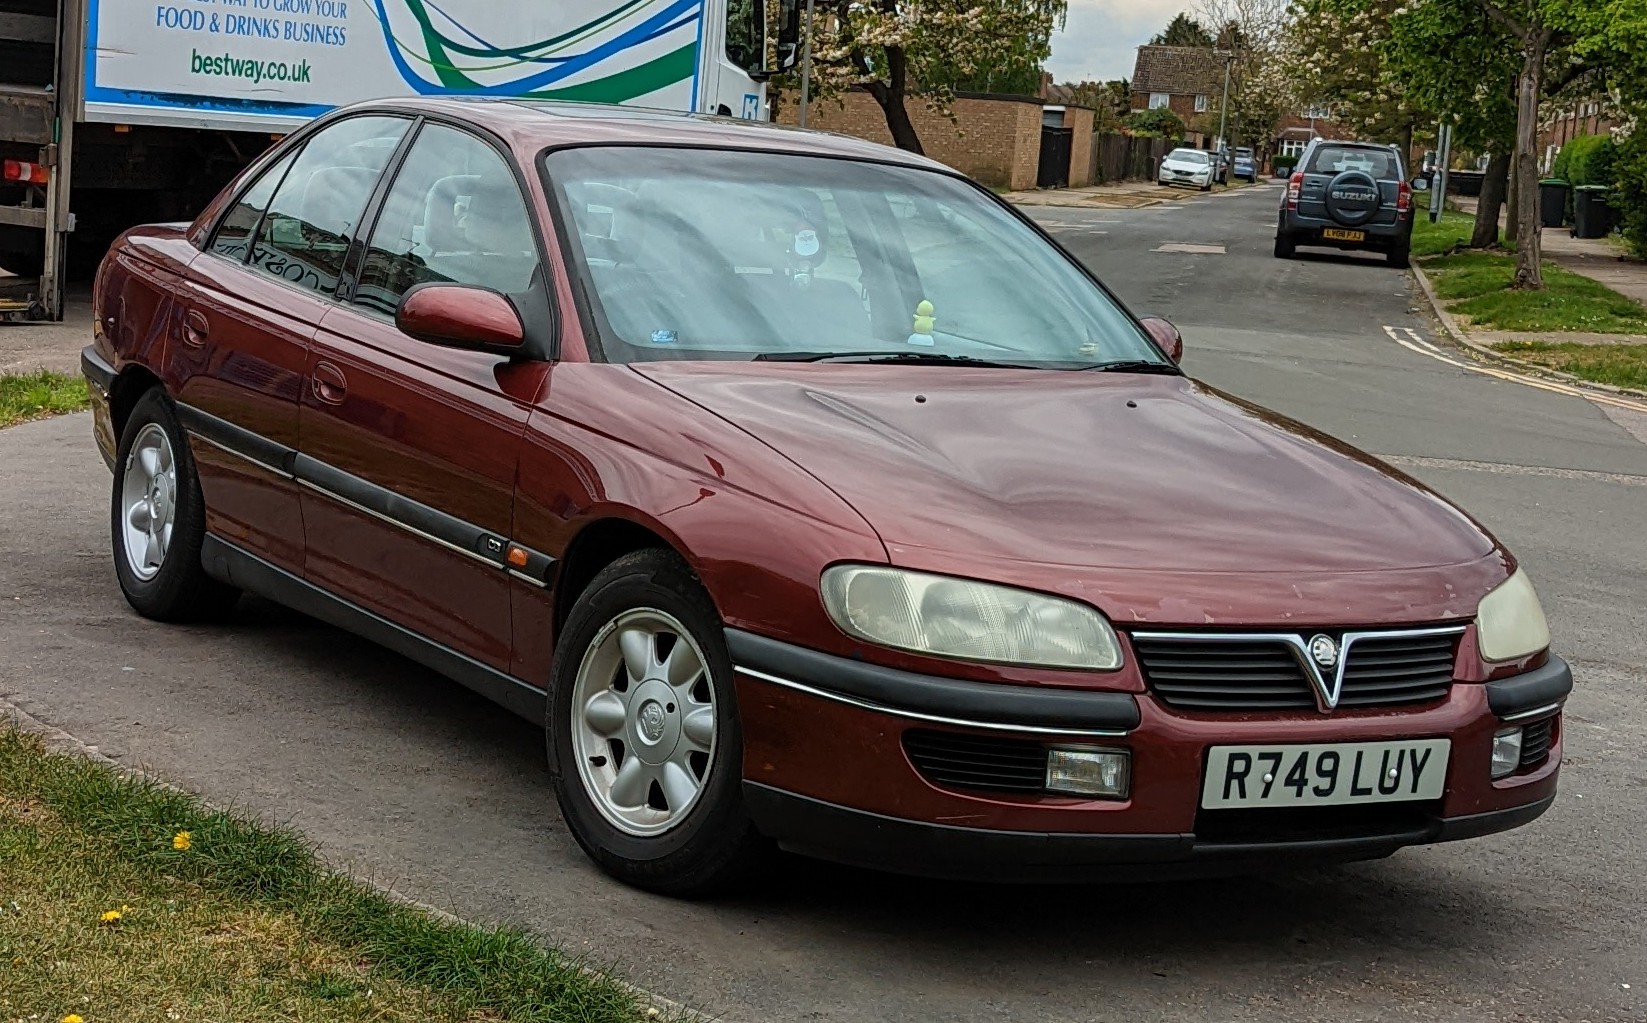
x,y
1561,123
1188,80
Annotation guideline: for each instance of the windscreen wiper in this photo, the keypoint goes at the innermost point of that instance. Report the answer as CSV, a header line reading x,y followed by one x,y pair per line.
x,y
915,358
1136,366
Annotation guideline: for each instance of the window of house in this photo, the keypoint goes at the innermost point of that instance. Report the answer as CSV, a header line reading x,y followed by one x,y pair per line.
x,y
1319,112
1158,100
304,238
1293,147
1200,104
454,216
234,231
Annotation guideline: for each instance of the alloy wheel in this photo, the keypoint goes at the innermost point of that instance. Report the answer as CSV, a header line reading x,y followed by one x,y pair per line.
x,y
643,721
148,501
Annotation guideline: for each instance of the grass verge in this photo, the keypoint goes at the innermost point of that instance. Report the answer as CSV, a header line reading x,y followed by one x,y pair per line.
x,y
1451,231
1477,285
25,396
122,900
1619,365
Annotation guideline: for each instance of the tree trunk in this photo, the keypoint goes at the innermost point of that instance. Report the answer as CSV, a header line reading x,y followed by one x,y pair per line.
x,y
1407,148
1512,200
891,97
1493,189
1529,272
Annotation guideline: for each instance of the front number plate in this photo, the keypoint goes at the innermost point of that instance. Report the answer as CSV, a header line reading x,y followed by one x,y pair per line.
x,y
1340,235
1329,774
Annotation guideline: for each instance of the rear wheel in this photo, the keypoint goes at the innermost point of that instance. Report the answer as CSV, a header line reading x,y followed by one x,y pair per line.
x,y
1400,257
1285,247
158,520
645,747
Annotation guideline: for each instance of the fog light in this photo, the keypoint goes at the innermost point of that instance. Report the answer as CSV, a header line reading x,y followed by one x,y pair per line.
x,y
1506,752
1085,771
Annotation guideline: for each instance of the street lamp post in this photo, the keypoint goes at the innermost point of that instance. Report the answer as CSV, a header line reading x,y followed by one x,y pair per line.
x,y
1224,111
806,66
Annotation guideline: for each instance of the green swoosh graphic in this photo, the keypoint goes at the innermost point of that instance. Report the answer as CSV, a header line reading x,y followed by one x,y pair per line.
x,y
636,81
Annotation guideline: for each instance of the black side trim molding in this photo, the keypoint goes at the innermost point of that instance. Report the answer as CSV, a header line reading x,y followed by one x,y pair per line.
x,y
94,368
236,440
987,703
402,511
830,831
230,564
381,502
1542,687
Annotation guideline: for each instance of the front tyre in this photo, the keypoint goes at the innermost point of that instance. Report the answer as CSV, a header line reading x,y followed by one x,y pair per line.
x,y
158,520
645,748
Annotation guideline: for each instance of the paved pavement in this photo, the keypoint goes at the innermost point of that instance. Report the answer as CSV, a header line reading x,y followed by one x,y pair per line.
x,y
26,347
409,777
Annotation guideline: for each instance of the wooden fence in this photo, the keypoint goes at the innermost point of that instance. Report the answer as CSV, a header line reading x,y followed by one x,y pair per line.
x,y
1125,158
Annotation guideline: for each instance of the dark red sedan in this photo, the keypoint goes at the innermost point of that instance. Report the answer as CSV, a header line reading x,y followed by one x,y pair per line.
x,y
807,494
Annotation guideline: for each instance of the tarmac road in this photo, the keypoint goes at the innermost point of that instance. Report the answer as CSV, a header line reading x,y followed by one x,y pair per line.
x,y
400,774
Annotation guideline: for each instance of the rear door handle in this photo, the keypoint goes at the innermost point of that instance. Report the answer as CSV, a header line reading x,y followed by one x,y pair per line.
x,y
329,384
195,328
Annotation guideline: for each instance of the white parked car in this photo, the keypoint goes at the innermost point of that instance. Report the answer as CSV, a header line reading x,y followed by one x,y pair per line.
x,y
1187,167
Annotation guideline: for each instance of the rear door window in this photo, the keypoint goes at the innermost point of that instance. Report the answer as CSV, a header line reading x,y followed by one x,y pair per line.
x,y
234,231
316,211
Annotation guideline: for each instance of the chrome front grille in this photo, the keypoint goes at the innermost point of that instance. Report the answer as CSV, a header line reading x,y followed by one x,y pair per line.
x,y
1276,671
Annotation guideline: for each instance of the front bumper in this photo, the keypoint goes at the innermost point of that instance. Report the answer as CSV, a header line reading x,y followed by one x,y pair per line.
x,y
100,377
827,773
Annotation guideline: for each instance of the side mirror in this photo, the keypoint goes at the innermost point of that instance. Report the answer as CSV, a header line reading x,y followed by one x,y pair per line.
x,y
1165,335
461,316
789,33
1421,184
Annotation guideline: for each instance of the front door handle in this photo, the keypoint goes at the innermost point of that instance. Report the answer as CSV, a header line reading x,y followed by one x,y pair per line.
x,y
195,328
329,384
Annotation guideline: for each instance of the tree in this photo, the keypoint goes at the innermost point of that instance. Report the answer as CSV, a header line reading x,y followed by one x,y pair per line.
x,y
1183,30
1110,101
1159,123
899,50
1253,35
1335,56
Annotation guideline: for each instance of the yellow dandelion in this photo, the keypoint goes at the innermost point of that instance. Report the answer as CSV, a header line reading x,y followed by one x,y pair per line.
x,y
72,1018
182,840
111,917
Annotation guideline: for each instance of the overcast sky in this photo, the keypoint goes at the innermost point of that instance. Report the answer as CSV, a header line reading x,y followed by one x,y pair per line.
x,y
1100,38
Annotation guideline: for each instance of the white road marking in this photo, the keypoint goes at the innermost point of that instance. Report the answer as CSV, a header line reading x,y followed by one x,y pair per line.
x,y
1193,248
1425,348
1511,469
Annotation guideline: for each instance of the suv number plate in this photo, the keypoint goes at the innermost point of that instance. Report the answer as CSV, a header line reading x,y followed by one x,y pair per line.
x,y
1325,774
1338,234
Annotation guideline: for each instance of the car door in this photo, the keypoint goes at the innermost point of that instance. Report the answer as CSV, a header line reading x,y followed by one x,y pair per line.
x,y
409,450
245,317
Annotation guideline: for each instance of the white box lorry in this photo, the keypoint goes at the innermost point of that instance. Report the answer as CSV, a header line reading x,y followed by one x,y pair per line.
x,y
117,112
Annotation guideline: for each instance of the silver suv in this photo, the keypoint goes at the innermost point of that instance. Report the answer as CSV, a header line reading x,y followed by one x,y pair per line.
x,y
1348,195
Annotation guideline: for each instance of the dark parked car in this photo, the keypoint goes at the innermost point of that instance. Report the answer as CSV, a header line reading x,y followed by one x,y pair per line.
x,y
805,493
1347,195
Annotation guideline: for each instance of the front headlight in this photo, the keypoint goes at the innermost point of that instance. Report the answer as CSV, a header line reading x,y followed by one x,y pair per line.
x,y
965,620
1510,623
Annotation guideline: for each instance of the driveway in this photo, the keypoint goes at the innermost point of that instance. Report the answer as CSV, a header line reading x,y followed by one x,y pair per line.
x,y
403,775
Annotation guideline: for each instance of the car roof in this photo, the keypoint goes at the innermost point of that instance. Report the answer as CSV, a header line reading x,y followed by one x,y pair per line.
x,y
545,124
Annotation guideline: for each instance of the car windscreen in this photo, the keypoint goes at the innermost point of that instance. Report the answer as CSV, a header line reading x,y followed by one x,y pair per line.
x,y
691,253
1187,156
1337,159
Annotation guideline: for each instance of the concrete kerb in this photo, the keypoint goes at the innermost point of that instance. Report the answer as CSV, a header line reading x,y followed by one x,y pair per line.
x,y
1449,323
59,741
